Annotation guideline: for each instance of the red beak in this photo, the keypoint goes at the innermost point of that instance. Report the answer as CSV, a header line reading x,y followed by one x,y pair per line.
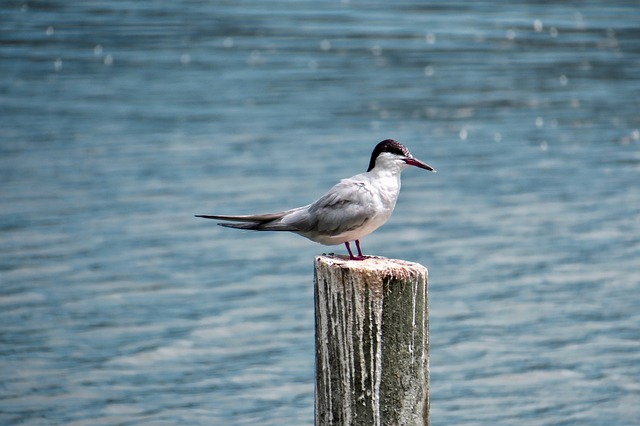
x,y
418,163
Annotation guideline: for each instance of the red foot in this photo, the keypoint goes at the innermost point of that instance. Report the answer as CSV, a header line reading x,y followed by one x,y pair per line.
x,y
360,256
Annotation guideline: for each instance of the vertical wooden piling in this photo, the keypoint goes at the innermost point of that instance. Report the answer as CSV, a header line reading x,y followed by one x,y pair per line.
x,y
372,342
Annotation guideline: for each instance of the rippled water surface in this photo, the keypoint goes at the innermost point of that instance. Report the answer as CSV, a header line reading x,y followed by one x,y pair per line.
x,y
122,119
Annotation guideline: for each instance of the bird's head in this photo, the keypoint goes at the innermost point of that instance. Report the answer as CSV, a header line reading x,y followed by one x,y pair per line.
x,y
392,154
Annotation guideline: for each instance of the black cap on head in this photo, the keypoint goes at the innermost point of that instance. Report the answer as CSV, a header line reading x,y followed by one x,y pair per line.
x,y
388,145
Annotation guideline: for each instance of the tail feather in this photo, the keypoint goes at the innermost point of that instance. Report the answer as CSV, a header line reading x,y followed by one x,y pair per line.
x,y
260,218
258,222
248,225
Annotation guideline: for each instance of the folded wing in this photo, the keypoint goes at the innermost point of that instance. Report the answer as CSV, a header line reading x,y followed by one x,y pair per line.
x,y
347,206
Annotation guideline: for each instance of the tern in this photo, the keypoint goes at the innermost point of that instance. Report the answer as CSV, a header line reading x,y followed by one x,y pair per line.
x,y
351,210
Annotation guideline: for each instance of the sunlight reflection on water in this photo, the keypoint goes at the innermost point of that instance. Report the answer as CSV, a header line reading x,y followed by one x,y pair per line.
x,y
123,120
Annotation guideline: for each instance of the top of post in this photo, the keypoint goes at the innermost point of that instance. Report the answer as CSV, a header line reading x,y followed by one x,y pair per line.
x,y
371,265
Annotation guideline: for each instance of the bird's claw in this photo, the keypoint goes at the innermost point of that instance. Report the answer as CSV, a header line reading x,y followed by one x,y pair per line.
x,y
359,257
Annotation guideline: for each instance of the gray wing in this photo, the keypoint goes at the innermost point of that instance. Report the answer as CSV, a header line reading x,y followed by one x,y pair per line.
x,y
348,205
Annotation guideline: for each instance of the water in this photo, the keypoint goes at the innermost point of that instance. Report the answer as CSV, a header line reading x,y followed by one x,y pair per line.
x,y
120,120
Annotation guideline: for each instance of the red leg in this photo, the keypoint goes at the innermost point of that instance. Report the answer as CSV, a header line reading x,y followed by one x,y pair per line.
x,y
351,256
346,243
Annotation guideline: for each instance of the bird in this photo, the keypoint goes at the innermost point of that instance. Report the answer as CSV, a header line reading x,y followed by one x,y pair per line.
x,y
351,210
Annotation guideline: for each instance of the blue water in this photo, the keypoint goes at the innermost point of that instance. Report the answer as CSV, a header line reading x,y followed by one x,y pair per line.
x,y
120,120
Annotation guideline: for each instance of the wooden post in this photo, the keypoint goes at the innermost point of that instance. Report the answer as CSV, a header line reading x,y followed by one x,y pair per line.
x,y
372,342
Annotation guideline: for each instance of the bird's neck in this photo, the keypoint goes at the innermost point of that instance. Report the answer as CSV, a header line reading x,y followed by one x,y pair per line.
x,y
385,174
386,170
387,180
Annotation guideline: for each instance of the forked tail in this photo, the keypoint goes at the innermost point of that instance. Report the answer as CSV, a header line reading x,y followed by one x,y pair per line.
x,y
257,222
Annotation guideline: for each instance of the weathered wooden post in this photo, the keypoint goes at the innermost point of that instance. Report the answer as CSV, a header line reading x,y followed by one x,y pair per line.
x,y
372,342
